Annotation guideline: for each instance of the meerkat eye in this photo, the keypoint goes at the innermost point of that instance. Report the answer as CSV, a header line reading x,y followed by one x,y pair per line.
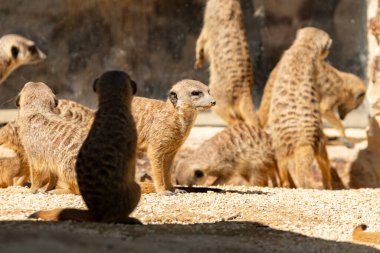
x,y
15,52
198,173
196,93
32,49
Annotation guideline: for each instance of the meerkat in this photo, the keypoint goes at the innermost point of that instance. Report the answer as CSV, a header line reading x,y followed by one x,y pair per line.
x,y
294,116
17,171
68,110
359,234
340,91
223,43
163,127
51,144
106,161
241,149
16,51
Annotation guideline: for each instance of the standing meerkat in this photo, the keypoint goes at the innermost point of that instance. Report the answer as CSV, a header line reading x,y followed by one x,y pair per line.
x,y
241,149
340,91
294,116
16,51
51,144
106,161
359,234
223,43
9,137
163,127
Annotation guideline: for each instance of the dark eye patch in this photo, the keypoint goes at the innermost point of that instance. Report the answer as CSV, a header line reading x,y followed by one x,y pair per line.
x,y
15,52
196,93
32,49
198,173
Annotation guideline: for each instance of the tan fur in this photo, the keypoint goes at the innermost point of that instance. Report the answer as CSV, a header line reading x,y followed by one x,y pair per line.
x,y
223,43
360,235
340,91
294,116
9,170
106,160
51,144
240,149
16,51
164,126
68,110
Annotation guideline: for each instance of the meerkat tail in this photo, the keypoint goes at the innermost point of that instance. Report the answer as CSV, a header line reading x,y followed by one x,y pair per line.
x,y
359,234
62,214
147,187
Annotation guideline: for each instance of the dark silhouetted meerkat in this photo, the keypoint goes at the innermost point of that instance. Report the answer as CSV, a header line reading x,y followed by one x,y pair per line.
x,y
106,161
340,91
16,51
359,234
294,115
163,127
241,149
51,144
223,43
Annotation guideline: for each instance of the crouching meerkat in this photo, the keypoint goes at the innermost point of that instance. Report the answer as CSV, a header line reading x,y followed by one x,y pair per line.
x,y
294,115
340,91
163,127
359,234
241,149
106,161
16,51
51,144
223,43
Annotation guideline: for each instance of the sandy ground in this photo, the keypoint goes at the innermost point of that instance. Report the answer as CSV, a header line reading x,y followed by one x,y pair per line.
x,y
240,219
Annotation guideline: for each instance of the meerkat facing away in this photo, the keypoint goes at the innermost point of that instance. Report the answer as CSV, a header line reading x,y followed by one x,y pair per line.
x,y
359,234
106,161
15,51
68,110
163,127
241,149
294,116
51,144
223,43
340,91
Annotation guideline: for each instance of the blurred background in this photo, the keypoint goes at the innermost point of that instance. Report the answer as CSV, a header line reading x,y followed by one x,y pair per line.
x,y
154,40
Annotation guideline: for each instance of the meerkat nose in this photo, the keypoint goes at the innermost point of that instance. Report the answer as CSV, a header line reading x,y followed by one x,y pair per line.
x,y
213,102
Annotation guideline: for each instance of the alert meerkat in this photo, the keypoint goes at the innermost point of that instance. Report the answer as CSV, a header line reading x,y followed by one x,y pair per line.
x,y
15,51
51,144
294,115
68,110
359,234
106,161
223,43
163,127
340,91
241,149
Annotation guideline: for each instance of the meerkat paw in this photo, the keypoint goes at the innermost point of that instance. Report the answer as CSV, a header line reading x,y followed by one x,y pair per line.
x,y
198,64
179,191
347,143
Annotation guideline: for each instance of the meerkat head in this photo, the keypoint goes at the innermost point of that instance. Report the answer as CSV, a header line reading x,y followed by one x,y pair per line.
x,y
312,36
188,172
191,94
20,50
36,98
115,83
225,10
356,91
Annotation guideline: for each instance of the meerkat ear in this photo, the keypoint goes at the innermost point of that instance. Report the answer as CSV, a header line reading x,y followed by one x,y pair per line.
x,y
15,52
95,85
134,87
173,98
18,101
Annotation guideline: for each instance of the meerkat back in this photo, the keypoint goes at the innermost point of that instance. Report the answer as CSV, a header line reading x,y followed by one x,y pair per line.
x,y
106,160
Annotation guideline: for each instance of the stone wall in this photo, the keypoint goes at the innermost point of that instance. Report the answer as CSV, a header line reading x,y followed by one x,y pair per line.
x,y
154,40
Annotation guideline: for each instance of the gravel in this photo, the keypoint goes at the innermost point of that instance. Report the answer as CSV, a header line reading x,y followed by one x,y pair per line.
x,y
241,219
